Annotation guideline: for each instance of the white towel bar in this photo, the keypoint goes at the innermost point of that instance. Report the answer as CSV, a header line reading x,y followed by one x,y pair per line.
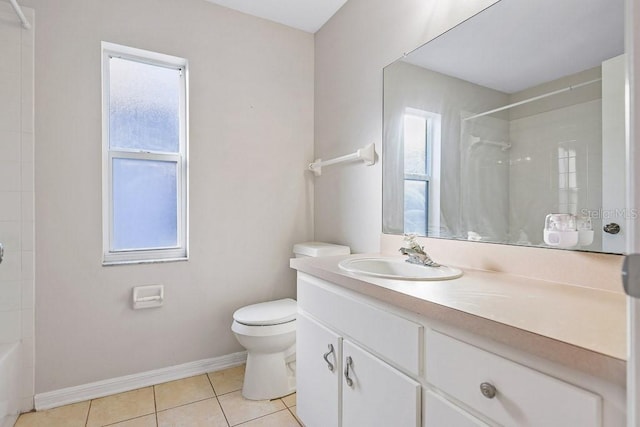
x,y
366,154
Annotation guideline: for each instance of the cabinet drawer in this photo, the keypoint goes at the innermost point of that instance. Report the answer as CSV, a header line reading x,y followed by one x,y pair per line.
x,y
440,412
524,397
392,337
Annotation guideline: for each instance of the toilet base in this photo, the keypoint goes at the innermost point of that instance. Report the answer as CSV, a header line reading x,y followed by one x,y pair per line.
x,y
269,376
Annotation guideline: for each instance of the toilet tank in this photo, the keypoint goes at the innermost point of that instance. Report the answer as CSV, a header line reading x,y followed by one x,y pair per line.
x,y
316,249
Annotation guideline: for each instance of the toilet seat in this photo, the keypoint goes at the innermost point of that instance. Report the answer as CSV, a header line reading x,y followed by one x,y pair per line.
x,y
263,331
267,313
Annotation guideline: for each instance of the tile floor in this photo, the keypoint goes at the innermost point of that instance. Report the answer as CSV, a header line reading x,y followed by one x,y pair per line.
x,y
212,399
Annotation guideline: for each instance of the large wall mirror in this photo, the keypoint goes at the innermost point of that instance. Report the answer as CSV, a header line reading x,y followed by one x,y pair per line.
x,y
510,124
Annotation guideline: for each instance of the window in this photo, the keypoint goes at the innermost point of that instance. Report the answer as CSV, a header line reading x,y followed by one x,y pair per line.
x,y
567,181
421,142
144,121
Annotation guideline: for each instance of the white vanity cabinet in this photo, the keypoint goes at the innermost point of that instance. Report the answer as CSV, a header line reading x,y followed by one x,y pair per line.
x,y
362,362
340,383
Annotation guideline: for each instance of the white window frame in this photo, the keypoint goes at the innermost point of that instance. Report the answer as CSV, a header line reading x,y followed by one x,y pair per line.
x,y
144,255
432,177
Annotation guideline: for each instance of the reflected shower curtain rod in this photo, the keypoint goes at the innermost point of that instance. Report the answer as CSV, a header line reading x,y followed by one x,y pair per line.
x,y
535,98
23,19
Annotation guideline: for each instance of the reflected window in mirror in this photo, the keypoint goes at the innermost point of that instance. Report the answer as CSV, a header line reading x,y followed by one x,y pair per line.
x,y
567,181
421,142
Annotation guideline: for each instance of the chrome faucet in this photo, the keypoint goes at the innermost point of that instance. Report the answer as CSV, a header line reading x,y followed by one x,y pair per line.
x,y
416,253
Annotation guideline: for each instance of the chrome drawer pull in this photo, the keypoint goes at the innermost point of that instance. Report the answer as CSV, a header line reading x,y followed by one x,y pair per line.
x,y
326,357
488,390
346,371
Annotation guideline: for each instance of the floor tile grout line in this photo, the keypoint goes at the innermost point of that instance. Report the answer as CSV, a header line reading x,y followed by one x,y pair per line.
x,y
86,421
261,416
185,404
294,416
155,405
223,413
218,400
124,421
211,382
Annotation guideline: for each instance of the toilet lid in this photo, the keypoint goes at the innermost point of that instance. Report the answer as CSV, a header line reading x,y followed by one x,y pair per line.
x,y
267,313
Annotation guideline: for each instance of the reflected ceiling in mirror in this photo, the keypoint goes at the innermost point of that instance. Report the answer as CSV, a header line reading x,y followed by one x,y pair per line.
x,y
509,117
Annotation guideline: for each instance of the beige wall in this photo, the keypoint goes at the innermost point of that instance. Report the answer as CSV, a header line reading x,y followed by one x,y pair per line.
x,y
351,50
251,133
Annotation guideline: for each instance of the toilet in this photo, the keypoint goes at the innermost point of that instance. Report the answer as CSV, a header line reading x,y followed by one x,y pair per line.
x,y
268,331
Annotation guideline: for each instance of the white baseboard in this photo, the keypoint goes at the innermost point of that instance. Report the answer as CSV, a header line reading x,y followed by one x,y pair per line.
x,y
65,396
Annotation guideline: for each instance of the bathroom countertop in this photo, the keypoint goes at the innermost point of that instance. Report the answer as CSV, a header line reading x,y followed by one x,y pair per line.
x,y
581,327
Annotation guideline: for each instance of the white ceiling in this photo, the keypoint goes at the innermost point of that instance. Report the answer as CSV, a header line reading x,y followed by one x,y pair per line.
x,y
305,15
517,44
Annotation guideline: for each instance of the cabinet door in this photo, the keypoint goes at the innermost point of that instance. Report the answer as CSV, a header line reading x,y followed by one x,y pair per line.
x,y
318,386
440,412
379,395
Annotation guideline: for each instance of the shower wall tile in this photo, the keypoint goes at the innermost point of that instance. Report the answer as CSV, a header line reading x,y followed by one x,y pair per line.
x,y
9,147
17,284
27,147
26,86
10,295
10,175
28,350
536,141
11,266
9,33
27,235
27,265
10,235
26,176
27,323
10,57
9,206
28,294
10,107
27,206
10,328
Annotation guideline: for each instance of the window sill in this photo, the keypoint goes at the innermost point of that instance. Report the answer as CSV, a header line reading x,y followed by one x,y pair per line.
x,y
143,261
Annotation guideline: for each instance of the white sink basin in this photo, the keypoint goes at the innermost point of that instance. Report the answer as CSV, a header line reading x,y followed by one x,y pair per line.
x,y
398,268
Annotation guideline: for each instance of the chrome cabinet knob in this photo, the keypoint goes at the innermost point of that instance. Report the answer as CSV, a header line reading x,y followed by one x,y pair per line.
x,y
611,228
488,390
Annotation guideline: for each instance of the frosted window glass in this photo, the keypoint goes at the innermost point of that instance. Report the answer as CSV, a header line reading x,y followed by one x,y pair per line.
x,y
145,211
415,206
144,101
415,145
